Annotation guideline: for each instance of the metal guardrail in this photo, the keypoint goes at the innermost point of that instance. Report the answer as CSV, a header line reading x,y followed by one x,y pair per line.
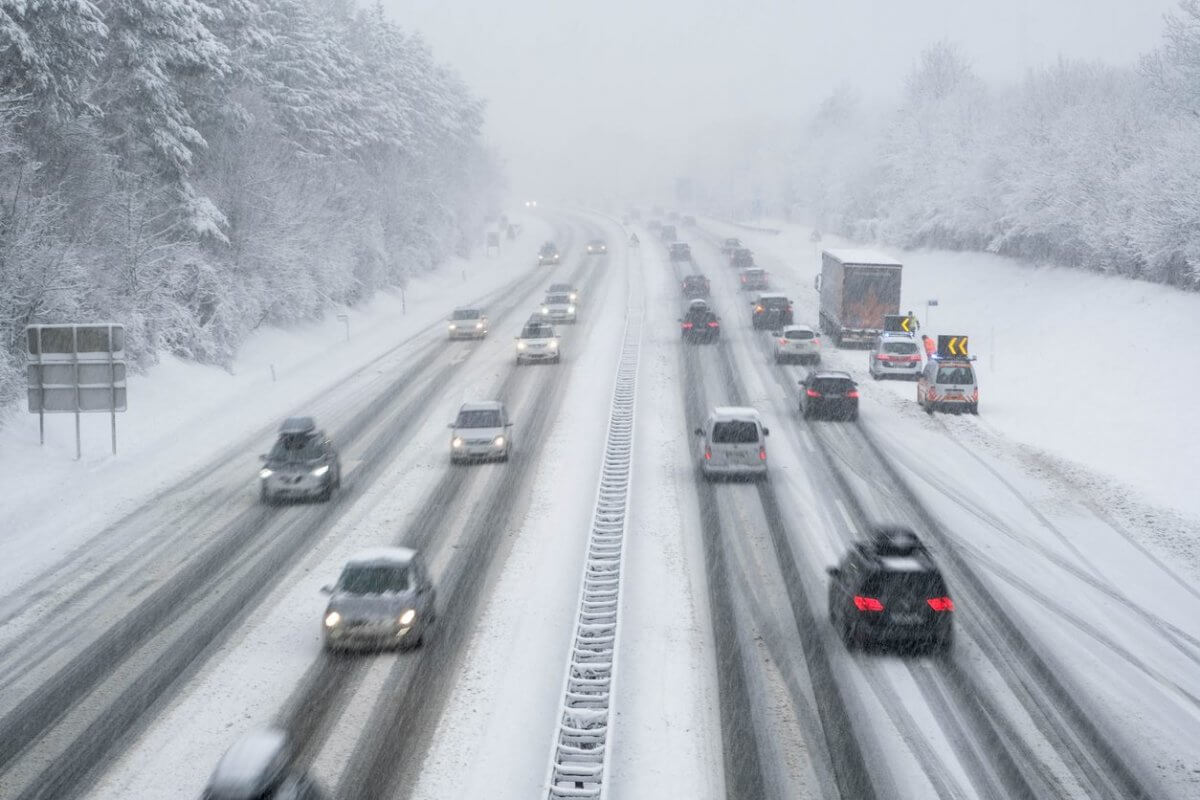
x,y
578,763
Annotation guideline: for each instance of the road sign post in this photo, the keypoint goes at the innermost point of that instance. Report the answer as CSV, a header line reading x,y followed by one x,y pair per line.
x,y
76,369
930,303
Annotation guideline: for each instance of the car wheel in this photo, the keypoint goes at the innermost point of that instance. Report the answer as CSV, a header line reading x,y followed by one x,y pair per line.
x,y
265,497
973,408
326,493
854,417
338,480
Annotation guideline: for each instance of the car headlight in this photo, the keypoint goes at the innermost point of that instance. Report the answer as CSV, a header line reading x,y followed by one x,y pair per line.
x,y
545,310
408,616
553,344
265,473
456,441
479,325
319,471
333,619
453,326
570,309
498,441
520,345
573,298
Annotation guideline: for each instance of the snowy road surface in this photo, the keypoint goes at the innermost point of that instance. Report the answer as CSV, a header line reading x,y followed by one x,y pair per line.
x,y
160,611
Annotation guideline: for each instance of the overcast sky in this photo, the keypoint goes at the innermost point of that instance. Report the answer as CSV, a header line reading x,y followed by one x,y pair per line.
x,y
584,95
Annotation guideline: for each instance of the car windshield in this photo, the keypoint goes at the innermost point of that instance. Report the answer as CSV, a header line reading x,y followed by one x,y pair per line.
x,y
900,348
560,287
774,302
693,280
548,248
831,386
537,332
558,299
374,579
478,418
738,431
296,448
465,313
799,335
956,376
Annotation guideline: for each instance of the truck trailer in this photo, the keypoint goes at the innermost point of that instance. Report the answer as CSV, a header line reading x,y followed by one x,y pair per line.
x,y
858,289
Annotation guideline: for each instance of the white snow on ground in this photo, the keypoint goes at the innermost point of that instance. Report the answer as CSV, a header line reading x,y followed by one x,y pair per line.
x,y
183,414
1090,373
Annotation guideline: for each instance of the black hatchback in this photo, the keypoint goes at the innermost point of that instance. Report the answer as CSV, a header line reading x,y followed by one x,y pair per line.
x,y
888,590
829,394
695,286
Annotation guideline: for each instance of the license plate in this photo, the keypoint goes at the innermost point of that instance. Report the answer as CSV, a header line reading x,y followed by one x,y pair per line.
x,y
906,619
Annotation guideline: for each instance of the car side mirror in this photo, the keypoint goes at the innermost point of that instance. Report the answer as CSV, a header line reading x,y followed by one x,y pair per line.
x,y
262,457
450,425
327,589
699,431
766,431
833,572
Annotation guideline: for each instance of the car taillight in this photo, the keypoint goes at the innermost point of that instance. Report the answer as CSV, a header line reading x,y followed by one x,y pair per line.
x,y
762,454
783,341
816,341
812,393
867,603
714,324
707,453
883,357
913,358
687,326
852,393
789,308
941,603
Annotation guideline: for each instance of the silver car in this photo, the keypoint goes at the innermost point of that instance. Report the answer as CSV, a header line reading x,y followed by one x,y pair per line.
x,y
481,431
538,342
797,343
733,444
384,598
260,765
894,354
558,308
302,464
467,323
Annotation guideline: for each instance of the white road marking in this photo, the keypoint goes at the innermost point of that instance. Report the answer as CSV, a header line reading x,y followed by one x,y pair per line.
x,y
806,437
845,514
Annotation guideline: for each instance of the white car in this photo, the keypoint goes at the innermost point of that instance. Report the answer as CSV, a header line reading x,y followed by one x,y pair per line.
x,y
481,431
558,308
538,342
894,353
467,323
797,343
733,444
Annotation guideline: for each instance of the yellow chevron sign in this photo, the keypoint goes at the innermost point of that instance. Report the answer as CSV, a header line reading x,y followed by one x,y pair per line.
x,y
904,323
952,346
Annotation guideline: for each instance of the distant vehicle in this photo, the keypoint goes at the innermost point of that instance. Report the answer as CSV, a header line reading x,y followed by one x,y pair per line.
x,y
481,431
302,464
680,251
729,245
894,354
741,258
673,216
654,225
772,311
753,278
538,342
597,247
531,203
467,323
829,394
689,221
548,254
565,288
733,444
695,286
384,598
668,233
948,384
889,590
700,324
797,343
558,308
260,766
858,289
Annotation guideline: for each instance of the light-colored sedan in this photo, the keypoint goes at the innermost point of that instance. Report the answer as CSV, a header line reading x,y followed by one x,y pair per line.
x,y
467,323
733,444
558,308
797,343
538,342
384,598
481,431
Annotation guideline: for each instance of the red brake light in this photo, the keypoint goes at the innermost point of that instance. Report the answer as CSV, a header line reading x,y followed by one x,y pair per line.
x,y
707,453
867,603
687,326
816,340
812,393
783,341
762,454
852,393
941,603
714,324
883,357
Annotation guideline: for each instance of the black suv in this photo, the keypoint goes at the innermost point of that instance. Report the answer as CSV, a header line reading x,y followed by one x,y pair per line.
x,y
772,312
302,464
700,324
668,233
681,251
829,394
695,286
888,590
741,258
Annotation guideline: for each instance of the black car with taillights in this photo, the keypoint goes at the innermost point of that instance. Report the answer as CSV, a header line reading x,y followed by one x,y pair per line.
x,y
771,312
888,590
828,394
700,324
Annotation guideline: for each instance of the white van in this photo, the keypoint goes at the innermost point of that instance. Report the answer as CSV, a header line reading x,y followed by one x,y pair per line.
x,y
948,384
733,444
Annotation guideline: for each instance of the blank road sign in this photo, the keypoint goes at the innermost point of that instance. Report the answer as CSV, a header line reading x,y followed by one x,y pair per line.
x,y
61,399
94,373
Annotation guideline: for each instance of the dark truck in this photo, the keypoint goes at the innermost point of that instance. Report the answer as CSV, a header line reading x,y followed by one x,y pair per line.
x,y
858,289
